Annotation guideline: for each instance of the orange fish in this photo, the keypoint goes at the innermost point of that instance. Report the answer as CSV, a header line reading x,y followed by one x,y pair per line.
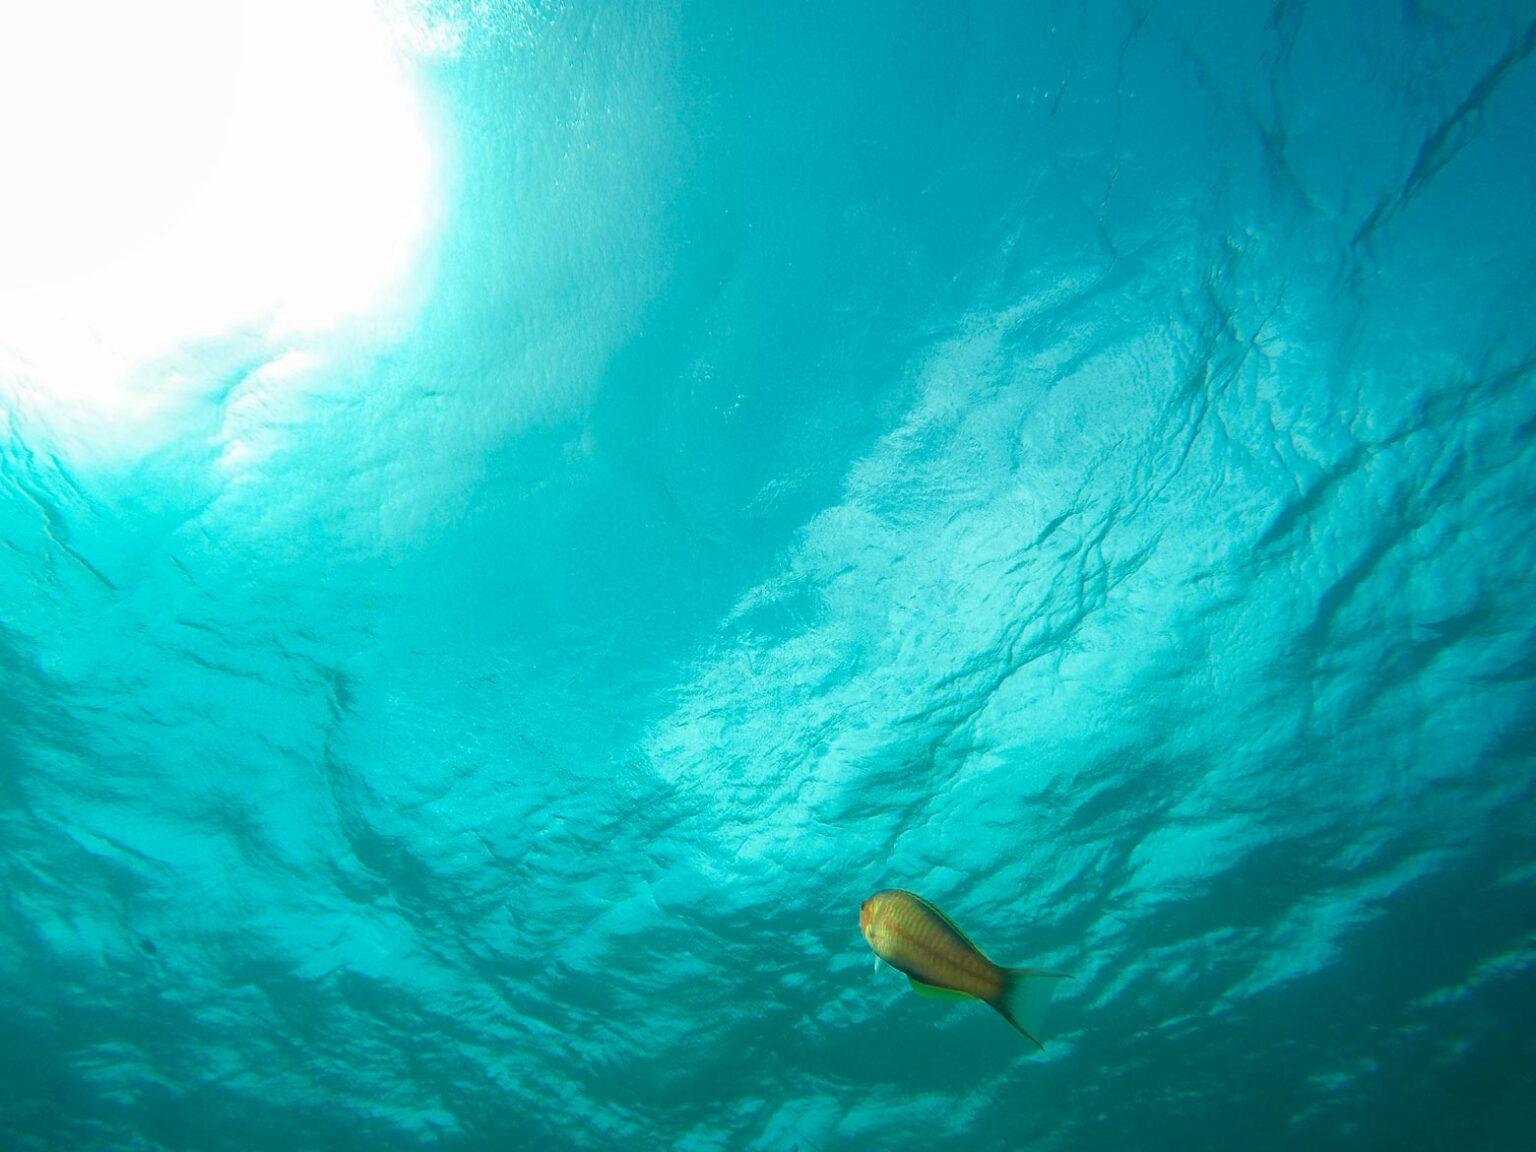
x,y
939,960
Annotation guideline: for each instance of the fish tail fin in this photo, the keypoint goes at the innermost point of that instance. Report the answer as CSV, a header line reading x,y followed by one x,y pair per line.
x,y
1025,996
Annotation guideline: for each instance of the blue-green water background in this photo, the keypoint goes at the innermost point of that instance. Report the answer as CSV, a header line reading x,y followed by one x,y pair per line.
x,y
1077,463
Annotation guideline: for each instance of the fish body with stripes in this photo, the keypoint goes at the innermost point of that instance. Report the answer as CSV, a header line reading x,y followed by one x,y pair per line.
x,y
915,938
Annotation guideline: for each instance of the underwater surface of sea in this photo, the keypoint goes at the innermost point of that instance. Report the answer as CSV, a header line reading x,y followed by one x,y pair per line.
x,y
1074,462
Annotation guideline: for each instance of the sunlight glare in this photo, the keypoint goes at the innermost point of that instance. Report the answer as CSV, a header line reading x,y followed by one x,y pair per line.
x,y
178,170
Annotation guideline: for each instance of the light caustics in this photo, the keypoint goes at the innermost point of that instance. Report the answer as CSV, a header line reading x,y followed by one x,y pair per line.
x,y
176,171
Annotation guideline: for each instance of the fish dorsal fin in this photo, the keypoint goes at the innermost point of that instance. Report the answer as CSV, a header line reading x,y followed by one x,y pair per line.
x,y
933,992
953,927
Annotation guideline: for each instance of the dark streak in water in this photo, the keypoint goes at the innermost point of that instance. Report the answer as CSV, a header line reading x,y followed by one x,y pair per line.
x,y
1449,137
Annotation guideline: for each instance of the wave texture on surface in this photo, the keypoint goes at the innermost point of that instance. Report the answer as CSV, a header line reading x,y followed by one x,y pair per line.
x,y
1076,466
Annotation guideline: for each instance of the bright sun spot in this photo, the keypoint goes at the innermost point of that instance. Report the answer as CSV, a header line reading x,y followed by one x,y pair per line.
x,y
178,170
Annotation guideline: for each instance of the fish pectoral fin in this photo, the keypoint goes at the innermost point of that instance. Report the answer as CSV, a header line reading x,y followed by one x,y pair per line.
x,y
933,992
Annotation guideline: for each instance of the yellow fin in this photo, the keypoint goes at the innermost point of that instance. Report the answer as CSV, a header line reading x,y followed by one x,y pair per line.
x,y
1026,994
933,992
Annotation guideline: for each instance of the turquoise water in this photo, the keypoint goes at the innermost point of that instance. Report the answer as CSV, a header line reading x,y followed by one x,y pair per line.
x,y
1076,465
